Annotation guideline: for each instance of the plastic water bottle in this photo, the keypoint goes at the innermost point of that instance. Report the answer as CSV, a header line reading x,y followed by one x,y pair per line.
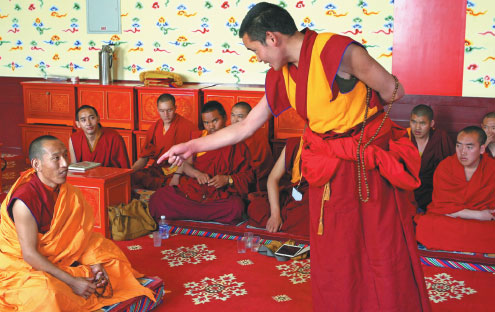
x,y
163,227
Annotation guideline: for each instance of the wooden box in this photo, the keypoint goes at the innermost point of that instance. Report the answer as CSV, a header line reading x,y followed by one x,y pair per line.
x,y
129,143
114,103
31,132
103,187
48,102
187,100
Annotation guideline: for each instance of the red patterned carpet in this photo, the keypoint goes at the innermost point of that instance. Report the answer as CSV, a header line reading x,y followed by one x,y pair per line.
x,y
207,274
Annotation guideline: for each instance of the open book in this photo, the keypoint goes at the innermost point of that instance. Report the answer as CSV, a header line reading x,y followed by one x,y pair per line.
x,y
83,166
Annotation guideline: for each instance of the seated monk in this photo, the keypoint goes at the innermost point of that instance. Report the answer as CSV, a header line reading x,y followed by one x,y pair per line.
x,y
488,125
169,130
461,215
96,143
212,184
287,206
51,259
261,154
433,145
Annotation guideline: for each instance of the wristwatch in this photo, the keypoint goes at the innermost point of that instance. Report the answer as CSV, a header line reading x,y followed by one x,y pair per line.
x,y
231,181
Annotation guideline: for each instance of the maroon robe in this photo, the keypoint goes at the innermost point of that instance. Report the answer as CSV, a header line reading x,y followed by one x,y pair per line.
x,y
194,201
364,255
261,159
438,147
39,198
156,143
294,214
109,150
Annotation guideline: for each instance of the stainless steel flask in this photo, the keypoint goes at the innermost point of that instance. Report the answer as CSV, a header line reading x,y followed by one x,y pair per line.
x,y
105,61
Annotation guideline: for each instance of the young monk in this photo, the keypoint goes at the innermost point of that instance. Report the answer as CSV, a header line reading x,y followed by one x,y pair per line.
x,y
488,125
213,183
363,251
287,206
261,154
461,215
51,259
96,143
170,129
433,145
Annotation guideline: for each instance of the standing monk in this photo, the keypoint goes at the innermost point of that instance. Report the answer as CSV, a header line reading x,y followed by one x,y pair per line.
x,y
433,145
261,154
488,125
170,129
96,143
360,166
51,259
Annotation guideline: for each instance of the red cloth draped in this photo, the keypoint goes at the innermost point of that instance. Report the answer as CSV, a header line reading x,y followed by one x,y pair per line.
x,y
451,194
261,158
439,147
157,143
367,257
191,200
294,213
110,149
41,205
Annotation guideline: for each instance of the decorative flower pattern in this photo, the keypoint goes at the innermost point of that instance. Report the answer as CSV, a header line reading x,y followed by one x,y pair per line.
x,y
192,255
221,288
297,271
442,287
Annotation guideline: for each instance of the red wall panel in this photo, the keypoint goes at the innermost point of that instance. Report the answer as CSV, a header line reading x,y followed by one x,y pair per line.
x,y
428,50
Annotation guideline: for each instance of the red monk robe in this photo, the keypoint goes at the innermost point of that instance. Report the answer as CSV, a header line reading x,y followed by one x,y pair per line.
x,y
295,214
364,255
261,159
109,149
156,143
69,239
194,201
439,146
452,193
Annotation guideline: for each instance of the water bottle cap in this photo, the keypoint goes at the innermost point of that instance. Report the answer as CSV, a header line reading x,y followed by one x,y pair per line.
x,y
162,217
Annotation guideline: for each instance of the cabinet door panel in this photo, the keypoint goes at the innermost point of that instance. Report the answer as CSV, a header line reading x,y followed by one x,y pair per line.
x,y
95,98
49,103
288,124
187,106
119,106
37,101
59,102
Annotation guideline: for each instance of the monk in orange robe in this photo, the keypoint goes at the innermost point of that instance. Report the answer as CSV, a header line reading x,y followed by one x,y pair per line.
x,y
261,154
51,259
286,206
462,213
433,145
213,184
96,143
170,129
488,125
360,166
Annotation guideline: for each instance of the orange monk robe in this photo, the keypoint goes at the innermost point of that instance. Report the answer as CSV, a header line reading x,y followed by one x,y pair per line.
x,y
294,214
157,142
452,193
191,200
69,239
439,146
261,158
109,149
364,255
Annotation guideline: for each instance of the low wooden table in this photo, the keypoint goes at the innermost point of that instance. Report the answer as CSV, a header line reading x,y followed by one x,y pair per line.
x,y
103,187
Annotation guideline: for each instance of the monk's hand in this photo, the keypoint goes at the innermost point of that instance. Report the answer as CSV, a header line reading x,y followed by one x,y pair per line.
x,y
83,286
100,277
490,138
273,224
202,177
219,181
177,154
175,180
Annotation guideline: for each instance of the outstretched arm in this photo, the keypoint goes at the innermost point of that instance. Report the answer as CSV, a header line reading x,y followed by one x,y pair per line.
x,y
27,232
227,136
357,62
275,221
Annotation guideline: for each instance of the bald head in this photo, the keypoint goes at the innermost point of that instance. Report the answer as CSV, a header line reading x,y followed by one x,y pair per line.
x,y
36,150
239,112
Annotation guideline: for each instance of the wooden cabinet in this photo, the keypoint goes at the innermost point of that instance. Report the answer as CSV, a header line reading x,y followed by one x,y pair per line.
x,y
187,101
140,140
114,103
103,187
49,103
228,96
129,143
31,132
288,124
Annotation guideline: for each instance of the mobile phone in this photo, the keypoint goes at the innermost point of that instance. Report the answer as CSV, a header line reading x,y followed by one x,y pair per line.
x,y
288,250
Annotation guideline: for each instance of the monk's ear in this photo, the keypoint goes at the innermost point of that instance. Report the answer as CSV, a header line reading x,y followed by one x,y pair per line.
x,y
36,164
482,149
78,124
432,123
272,38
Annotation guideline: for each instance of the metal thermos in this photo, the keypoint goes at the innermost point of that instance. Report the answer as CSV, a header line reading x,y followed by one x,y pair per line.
x,y
105,60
